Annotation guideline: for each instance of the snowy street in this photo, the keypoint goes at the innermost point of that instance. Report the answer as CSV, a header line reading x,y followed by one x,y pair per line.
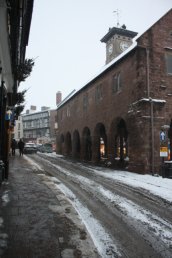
x,y
126,214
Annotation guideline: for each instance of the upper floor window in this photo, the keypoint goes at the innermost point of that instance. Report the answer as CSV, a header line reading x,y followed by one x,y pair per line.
x,y
168,57
85,101
98,93
116,83
62,115
68,111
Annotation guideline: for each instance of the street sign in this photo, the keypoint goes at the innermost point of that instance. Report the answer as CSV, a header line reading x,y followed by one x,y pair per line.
x,y
8,115
163,151
162,136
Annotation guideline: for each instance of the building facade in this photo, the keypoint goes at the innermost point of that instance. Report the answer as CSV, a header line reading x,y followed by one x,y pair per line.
x,y
15,21
39,126
18,129
118,115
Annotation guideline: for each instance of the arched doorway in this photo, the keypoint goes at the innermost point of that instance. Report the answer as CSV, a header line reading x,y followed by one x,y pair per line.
x,y
100,142
121,141
60,143
68,144
76,145
87,144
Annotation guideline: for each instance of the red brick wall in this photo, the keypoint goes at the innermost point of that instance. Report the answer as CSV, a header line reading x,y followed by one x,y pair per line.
x,y
135,68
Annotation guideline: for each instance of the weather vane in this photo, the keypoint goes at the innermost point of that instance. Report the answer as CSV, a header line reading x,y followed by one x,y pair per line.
x,y
117,16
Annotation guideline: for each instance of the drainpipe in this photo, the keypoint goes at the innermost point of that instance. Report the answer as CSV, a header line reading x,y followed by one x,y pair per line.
x,y
151,110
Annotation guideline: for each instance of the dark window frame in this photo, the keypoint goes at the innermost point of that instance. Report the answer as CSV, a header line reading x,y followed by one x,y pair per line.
x,y
85,102
116,83
98,93
168,59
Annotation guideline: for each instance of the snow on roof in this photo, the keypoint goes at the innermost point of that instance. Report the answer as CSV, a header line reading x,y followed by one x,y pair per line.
x,y
66,99
103,69
149,100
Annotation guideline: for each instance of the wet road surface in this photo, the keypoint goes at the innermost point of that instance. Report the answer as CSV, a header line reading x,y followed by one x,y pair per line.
x,y
137,223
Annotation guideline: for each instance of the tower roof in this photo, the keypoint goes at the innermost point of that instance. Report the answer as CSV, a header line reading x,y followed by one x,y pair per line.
x,y
119,31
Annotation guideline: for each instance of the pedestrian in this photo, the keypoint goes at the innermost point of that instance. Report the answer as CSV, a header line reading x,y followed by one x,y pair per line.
x,y
21,145
13,146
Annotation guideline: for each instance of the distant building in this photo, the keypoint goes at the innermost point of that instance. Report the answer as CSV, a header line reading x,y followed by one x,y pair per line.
x,y
18,129
39,126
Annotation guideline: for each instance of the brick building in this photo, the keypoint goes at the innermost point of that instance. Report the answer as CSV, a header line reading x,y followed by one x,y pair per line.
x,y
119,114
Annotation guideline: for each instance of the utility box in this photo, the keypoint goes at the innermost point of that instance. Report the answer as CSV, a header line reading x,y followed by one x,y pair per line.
x,y
167,169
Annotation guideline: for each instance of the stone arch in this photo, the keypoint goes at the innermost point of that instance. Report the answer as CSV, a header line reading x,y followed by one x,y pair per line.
x,y
60,144
76,145
119,139
68,144
100,142
86,144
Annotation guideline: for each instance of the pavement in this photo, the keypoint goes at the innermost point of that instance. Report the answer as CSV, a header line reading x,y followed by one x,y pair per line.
x,y
36,219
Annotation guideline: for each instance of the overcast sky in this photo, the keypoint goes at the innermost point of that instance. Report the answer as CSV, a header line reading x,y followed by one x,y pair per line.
x,y
65,41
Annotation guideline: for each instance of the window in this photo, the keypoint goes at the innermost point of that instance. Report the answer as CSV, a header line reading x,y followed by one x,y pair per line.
x,y
98,93
116,83
85,101
68,111
168,57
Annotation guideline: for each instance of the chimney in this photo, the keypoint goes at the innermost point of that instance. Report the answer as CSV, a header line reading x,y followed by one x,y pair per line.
x,y
58,97
33,108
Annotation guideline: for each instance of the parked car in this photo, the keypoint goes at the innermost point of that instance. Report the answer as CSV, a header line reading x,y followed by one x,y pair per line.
x,y
30,148
46,148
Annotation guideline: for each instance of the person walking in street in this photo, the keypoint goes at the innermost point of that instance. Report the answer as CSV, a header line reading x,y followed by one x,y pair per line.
x,y
13,146
21,145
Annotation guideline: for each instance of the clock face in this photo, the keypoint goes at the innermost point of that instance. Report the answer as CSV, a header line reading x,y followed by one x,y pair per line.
x,y
110,49
124,45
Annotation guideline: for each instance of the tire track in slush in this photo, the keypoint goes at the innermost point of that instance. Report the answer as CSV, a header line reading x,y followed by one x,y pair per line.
x,y
150,227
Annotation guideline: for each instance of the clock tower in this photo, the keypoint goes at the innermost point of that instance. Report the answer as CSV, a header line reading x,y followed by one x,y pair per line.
x,y
117,40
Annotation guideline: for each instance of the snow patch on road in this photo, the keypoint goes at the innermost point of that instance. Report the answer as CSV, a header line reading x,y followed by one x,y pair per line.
x,y
33,163
101,239
158,186
150,221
